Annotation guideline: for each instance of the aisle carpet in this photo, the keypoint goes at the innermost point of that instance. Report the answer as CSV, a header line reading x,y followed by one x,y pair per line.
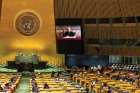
x,y
23,86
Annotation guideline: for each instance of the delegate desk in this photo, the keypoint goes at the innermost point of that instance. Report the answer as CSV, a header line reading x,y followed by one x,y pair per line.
x,y
55,85
118,86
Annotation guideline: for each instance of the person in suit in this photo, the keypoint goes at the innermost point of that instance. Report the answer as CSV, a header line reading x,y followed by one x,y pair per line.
x,y
52,74
1,88
67,32
46,86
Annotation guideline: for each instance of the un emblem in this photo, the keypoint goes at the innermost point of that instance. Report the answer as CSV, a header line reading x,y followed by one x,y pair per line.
x,y
27,23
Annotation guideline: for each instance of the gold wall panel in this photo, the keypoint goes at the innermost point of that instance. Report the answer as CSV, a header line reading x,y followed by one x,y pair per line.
x,y
109,50
127,31
43,42
96,8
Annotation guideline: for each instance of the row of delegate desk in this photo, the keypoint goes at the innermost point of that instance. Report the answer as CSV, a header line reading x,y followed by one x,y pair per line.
x,y
56,85
11,79
129,67
85,79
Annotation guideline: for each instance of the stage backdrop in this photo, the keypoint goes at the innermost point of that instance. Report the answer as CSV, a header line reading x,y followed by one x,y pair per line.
x,y
28,26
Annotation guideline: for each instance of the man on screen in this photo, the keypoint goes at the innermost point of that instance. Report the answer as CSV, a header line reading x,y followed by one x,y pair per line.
x,y
68,32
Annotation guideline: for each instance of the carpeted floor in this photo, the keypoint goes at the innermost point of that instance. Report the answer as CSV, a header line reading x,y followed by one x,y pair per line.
x,y
23,86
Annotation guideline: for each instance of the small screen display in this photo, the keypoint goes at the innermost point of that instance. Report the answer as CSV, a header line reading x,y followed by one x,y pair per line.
x,y
68,32
69,36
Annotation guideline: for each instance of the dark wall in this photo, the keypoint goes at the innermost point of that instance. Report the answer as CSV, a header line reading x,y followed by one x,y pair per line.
x,y
80,60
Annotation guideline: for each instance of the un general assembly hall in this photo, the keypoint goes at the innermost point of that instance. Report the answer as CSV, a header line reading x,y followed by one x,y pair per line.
x,y
69,46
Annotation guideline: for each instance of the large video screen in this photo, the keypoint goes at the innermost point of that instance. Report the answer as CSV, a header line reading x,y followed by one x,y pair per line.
x,y
69,36
68,32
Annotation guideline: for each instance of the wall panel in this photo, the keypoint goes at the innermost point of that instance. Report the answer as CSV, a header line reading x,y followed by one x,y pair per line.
x,y
96,8
42,43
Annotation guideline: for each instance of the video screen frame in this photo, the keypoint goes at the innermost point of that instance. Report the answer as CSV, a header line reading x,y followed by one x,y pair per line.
x,y
70,45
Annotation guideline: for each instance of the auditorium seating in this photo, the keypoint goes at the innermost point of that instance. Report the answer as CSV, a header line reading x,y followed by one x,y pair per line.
x,y
54,84
104,83
130,67
9,82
